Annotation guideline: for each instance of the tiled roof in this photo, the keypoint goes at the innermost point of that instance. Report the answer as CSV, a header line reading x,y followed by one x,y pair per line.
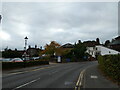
x,y
116,42
68,45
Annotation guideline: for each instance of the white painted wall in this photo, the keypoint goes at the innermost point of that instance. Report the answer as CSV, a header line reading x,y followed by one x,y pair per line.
x,y
91,51
100,49
106,51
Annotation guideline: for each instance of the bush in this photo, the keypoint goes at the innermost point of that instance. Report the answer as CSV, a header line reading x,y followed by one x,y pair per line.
x,y
110,65
11,65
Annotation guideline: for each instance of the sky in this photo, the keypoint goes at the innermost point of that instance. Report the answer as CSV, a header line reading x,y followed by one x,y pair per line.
x,y
63,22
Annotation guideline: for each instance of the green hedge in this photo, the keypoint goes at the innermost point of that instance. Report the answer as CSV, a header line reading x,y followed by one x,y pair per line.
x,y
11,65
110,65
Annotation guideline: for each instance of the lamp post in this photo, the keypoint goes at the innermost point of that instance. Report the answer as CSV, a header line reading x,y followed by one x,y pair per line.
x,y
26,38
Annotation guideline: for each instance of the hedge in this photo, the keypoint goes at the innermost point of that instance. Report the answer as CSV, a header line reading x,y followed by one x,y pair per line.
x,y
110,65
11,65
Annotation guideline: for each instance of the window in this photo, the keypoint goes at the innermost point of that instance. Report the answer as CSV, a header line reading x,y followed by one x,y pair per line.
x,y
96,48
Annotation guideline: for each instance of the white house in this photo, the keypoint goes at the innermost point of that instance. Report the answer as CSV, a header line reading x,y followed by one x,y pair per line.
x,y
100,50
106,51
91,51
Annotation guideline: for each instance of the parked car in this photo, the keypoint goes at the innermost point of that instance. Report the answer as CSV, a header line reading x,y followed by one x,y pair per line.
x,y
27,59
1,59
31,58
6,59
16,60
36,58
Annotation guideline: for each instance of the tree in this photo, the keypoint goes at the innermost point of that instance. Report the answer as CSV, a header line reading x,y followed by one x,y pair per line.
x,y
15,49
79,41
41,47
79,50
6,48
29,46
113,40
51,48
77,53
11,54
35,46
98,41
107,42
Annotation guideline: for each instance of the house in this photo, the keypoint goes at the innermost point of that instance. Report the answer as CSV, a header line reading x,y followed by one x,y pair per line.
x,y
115,44
105,51
92,43
100,50
64,48
89,43
93,51
33,51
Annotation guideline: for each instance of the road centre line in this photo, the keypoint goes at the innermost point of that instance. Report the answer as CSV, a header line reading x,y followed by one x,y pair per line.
x,y
26,84
80,80
31,70
53,72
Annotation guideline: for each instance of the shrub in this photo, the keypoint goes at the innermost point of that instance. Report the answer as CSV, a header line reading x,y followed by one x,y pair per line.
x,y
110,65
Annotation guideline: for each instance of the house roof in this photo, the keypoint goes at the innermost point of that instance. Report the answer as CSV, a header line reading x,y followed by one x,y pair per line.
x,y
116,42
68,45
90,43
117,38
33,49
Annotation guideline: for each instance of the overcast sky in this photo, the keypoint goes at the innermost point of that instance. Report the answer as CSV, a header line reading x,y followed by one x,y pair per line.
x,y
68,22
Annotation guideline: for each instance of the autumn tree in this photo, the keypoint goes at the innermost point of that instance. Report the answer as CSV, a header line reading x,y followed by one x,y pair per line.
x,y
50,49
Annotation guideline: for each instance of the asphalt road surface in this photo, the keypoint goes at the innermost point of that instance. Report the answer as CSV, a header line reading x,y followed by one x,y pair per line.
x,y
50,76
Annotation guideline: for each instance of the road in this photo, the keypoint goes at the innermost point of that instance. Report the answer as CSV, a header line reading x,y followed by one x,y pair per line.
x,y
48,76
52,76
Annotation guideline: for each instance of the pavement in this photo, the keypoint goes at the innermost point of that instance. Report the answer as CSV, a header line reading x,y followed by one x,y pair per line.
x,y
94,78
73,76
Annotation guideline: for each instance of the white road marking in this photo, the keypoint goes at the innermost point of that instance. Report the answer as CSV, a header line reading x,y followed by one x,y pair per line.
x,y
80,80
29,71
68,83
92,76
26,84
53,72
